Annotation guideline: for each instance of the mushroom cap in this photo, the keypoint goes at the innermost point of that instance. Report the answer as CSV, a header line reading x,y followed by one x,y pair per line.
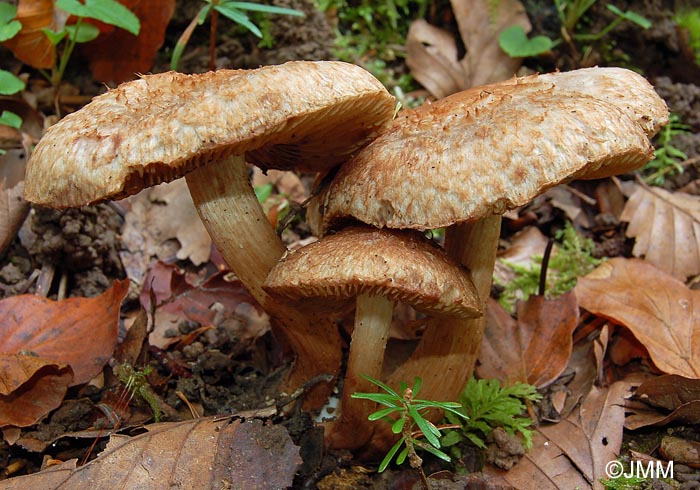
x,y
303,114
492,148
400,265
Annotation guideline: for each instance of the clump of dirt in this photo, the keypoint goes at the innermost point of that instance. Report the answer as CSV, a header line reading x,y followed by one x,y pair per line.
x,y
83,243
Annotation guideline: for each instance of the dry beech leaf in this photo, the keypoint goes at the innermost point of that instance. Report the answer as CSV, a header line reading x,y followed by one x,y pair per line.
x,y
201,453
666,227
573,453
57,330
30,387
524,245
117,55
13,210
661,312
536,348
30,45
662,400
431,53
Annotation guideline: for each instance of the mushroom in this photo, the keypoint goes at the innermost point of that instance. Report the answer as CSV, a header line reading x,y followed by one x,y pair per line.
x,y
462,161
375,268
305,115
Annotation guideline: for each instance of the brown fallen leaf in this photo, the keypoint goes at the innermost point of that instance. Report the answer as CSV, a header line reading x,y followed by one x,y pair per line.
x,y
30,387
680,451
662,400
31,45
573,453
13,211
201,453
117,55
524,245
57,330
661,312
432,54
536,348
666,227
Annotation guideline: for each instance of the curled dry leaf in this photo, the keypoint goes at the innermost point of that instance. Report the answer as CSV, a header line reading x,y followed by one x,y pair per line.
x,y
30,387
661,312
662,400
201,453
535,349
31,45
13,210
57,330
666,227
432,54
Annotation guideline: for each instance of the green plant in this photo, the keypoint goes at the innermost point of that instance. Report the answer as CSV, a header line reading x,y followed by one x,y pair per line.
x,y
486,405
235,11
9,27
107,11
573,259
624,483
667,158
515,42
405,413
136,384
373,34
689,22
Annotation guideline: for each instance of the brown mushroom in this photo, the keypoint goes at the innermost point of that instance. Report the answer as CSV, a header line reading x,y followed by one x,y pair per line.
x,y
305,115
376,268
462,161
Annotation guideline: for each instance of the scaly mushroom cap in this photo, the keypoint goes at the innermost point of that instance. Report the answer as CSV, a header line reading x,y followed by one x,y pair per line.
x,y
306,115
492,148
401,265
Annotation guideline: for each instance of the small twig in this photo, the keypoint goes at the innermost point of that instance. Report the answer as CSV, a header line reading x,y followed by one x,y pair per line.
x,y
192,409
587,199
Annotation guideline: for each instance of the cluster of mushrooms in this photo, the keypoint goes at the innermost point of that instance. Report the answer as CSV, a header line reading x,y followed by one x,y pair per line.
x,y
458,163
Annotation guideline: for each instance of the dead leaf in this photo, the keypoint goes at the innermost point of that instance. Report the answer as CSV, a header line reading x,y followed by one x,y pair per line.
x,y
573,453
661,312
158,215
662,400
666,227
431,53
13,211
214,301
117,55
680,451
202,453
30,388
523,247
57,330
30,45
535,349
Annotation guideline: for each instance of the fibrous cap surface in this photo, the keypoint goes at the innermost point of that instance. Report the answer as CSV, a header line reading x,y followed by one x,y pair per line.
x,y
308,115
401,265
492,148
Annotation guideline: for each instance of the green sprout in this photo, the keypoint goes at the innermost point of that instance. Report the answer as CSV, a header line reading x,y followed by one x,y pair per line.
x,y
234,11
667,158
10,84
107,11
137,385
573,259
516,44
485,405
405,414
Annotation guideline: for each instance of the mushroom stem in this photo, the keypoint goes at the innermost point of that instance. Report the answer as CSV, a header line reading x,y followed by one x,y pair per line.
x,y
446,355
232,215
369,337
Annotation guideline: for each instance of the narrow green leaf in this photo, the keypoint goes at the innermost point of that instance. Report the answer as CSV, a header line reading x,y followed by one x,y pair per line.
x,y
424,426
239,18
640,20
268,9
383,386
417,385
436,452
397,426
107,11
9,83
263,192
402,456
380,414
10,119
390,455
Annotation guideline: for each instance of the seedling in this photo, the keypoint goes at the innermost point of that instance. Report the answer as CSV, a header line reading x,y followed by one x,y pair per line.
x,y
405,413
485,405
515,42
667,158
235,11
136,385
108,11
